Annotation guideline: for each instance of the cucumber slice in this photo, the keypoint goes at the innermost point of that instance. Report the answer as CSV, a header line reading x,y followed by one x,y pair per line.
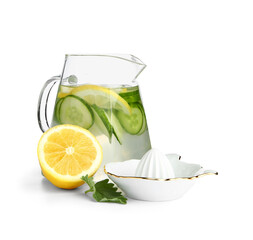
x,y
144,124
117,128
131,97
132,123
57,109
108,124
102,122
74,110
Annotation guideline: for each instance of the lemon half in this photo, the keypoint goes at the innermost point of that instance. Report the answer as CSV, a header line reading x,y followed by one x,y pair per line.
x,y
66,153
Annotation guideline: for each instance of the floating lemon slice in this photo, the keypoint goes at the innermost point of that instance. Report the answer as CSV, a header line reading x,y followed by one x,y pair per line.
x,y
66,153
64,91
102,97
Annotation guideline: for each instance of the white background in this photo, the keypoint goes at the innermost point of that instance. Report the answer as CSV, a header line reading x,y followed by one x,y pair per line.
x,y
197,93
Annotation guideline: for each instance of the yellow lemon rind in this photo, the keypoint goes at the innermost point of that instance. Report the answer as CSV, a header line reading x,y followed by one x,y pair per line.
x,y
67,181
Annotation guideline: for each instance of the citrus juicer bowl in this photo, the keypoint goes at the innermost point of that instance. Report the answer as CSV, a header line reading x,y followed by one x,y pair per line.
x,y
155,189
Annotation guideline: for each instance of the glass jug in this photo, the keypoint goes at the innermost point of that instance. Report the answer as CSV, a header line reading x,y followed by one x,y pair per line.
x,y
100,93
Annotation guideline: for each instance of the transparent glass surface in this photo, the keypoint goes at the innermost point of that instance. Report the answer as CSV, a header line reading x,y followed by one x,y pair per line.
x,y
100,93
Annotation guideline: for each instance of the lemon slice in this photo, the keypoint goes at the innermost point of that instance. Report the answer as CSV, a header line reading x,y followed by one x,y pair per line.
x,y
64,91
66,153
102,97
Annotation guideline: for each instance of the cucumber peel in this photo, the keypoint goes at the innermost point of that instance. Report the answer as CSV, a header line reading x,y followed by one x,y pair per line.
x,y
103,122
133,122
144,123
117,128
131,97
57,109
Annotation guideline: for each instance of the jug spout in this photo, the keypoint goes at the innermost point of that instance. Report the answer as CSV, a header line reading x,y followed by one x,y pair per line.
x,y
140,66
107,69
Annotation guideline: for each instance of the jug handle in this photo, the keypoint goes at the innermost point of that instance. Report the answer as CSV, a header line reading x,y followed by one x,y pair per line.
x,y
42,103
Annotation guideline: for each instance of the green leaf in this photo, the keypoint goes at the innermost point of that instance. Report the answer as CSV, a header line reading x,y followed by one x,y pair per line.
x,y
90,182
104,191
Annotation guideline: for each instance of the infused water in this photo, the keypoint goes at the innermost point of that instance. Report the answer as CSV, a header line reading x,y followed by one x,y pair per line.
x,y
115,115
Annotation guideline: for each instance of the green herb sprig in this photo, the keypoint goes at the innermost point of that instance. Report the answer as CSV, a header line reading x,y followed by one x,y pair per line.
x,y
104,191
